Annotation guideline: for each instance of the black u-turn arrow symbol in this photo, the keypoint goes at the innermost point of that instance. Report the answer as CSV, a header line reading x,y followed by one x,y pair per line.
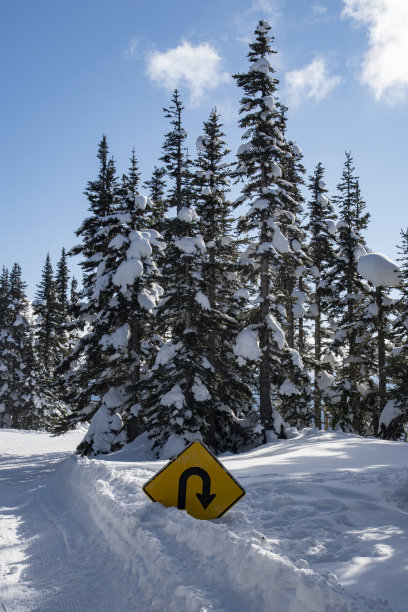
x,y
205,498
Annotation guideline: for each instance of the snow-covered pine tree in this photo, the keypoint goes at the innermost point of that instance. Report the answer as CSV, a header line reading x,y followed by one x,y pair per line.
x,y
5,416
290,287
382,274
321,228
103,195
178,392
50,336
393,421
63,306
78,371
233,423
21,406
261,159
47,319
130,184
156,187
112,353
174,154
353,394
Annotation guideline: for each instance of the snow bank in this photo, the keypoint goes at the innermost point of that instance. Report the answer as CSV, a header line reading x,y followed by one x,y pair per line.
x,y
177,563
318,505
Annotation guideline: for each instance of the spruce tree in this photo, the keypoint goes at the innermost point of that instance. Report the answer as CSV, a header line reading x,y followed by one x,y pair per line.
x,y
156,187
231,416
321,228
103,195
353,394
21,404
46,309
101,374
291,290
174,155
261,161
393,420
130,184
180,393
5,352
63,307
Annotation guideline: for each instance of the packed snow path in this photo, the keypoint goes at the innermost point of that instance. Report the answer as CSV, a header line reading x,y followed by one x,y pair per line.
x,y
323,527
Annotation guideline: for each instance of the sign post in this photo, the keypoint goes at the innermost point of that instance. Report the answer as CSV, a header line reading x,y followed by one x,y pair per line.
x,y
197,482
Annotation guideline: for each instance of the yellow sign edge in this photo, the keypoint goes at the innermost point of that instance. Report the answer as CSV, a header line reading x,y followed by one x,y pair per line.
x,y
214,457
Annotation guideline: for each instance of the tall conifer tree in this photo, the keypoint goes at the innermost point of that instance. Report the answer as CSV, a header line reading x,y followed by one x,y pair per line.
x,y
20,399
353,393
261,161
393,421
321,229
101,374
231,416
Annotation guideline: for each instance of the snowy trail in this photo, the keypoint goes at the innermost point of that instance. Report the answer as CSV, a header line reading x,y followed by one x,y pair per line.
x,y
78,534
57,553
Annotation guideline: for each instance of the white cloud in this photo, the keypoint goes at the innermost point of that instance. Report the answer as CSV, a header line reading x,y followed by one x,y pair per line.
x,y
385,64
196,67
318,10
268,6
246,22
313,81
132,49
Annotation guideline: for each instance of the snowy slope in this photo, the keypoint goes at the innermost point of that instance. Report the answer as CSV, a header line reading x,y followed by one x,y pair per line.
x,y
323,527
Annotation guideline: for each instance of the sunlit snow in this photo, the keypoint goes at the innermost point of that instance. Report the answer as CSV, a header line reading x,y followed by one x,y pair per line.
x,y
323,527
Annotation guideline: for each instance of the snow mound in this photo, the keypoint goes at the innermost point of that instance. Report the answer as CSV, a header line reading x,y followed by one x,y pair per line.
x,y
175,562
379,270
321,509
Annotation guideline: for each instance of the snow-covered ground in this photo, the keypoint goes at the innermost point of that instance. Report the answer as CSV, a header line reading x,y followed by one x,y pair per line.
x,y
323,527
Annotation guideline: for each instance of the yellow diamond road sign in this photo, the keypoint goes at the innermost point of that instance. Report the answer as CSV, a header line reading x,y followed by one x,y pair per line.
x,y
197,482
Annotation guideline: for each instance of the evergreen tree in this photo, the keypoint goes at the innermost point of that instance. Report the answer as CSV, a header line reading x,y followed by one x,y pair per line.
x,y
157,189
21,406
4,296
100,375
130,184
5,352
177,394
231,416
46,308
179,399
261,161
394,416
290,287
63,307
174,155
321,228
61,284
354,392
103,195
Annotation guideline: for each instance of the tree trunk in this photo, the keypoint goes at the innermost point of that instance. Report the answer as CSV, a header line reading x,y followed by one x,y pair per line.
x,y
265,404
317,355
381,360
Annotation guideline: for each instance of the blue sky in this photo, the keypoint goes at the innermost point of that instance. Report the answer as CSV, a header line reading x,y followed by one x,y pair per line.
x,y
72,71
